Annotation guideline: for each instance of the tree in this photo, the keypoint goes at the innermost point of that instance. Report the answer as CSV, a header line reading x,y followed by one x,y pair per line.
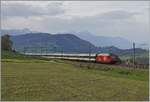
x,y
6,43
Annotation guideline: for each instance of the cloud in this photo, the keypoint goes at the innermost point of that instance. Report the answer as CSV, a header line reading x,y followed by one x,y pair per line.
x,y
26,10
118,14
122,19
115,23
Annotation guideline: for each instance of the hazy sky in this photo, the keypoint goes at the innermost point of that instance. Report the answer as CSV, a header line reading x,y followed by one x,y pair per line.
x,y
127,19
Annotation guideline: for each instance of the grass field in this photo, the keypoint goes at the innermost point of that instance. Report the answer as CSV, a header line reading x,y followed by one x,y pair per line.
x,y
55,80
139,57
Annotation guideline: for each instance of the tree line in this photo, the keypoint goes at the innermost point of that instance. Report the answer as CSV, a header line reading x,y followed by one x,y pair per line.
x,y
6,43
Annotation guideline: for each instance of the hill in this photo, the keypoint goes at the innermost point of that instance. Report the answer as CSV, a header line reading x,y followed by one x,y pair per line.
x,y
96,40
113,49
68,43
15,31
53,42
103,41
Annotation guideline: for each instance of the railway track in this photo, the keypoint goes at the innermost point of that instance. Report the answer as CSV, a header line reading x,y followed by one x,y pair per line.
x,y
91,60
84,58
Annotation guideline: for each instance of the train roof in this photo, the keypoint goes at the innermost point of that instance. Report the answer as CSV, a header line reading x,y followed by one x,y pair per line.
x,y
106,54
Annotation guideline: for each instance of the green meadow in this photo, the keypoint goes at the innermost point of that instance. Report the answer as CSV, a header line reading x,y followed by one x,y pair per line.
x,y
31,79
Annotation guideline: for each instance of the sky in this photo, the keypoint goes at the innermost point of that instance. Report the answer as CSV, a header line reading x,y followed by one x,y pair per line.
x,y
127,19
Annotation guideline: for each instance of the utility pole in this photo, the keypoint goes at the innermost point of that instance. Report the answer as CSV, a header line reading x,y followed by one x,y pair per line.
x,y
24,50
89,52
55,50
134,54
62,53
41,50
46,50
110,49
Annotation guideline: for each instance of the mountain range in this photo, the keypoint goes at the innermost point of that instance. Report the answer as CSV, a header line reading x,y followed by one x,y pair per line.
x,y
82,42
96,40
68,43
104,41
15,31
52,42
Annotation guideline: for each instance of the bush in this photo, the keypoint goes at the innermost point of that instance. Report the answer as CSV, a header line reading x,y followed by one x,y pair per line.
x,y
6,43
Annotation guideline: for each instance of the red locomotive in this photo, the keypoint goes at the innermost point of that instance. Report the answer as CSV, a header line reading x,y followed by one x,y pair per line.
x,y
107,58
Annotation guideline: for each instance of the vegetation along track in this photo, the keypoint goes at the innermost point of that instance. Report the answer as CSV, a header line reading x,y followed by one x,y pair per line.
x,y
89,63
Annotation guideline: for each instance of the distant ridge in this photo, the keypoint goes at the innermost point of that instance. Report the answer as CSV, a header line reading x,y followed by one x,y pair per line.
x,y
16,31
68,43
105,41
65,42
96,40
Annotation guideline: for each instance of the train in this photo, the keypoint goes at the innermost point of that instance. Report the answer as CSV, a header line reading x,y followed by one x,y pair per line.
x,y
107,58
